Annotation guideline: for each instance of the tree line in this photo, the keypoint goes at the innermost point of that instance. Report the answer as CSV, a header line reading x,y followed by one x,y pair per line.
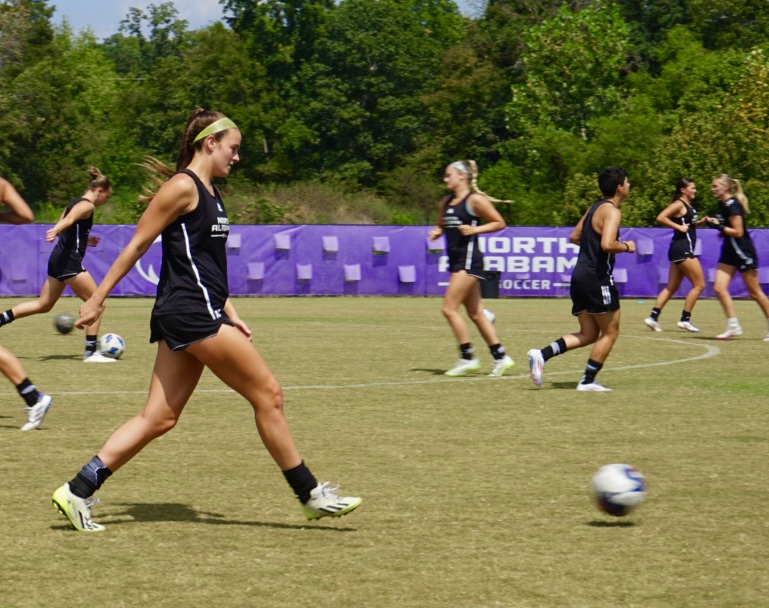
x,y
350,110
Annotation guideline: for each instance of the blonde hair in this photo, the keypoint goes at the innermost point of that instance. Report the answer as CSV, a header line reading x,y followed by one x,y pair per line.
x,y
469,168
735,189
98,180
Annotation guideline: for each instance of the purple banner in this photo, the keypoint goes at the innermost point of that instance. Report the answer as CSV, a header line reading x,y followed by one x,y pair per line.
x,y
372,260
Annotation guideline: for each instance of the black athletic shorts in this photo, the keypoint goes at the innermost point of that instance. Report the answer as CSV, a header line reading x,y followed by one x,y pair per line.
x,y
747,261
475,270
680,251
179,331
594,297
62,266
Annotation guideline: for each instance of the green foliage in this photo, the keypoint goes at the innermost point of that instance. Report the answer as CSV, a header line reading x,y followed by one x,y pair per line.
x,y
361,104
573,66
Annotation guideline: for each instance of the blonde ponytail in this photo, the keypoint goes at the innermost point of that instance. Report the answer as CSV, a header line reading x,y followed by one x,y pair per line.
x,y
469,168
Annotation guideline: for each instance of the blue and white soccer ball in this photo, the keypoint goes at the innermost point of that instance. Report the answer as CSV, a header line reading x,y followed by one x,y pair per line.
x,y
618,488
489,315
112,346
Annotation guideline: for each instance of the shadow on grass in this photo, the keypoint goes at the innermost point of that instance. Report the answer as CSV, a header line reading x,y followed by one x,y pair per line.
x,y
180,513
597,523
434,372
571,385
73,357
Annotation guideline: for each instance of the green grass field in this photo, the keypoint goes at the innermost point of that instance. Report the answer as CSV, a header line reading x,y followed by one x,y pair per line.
x,y
475,489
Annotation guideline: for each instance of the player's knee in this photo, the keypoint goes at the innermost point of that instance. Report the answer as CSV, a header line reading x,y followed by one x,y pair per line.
x,y
164,425
45,306
270,397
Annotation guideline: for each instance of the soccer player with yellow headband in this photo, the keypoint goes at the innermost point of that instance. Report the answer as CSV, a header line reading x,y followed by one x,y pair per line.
x,y
194,324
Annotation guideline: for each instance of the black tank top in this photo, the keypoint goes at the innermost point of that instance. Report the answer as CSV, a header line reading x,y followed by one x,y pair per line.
x,y
193,273
455,216
690,217
593,263
75,238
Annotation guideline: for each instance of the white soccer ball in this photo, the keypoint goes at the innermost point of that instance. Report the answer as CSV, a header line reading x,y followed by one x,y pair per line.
x,y
112,346
489,315
618,488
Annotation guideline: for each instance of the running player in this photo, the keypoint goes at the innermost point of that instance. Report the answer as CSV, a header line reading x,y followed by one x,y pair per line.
x,y
459,218
593,293
681,216
37,403
65,264
737,252
194,324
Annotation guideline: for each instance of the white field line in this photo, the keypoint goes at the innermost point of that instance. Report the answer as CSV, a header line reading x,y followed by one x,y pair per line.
x,y
710,351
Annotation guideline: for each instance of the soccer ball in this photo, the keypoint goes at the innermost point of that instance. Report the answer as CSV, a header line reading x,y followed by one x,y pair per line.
x,y
64,322
489,315
618,489
112,346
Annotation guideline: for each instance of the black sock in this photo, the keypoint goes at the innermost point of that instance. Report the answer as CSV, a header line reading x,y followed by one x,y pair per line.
x,y
6,317
497,351
301,481
686,316
554,349
90,478
28,392
593,367
466,351
90,344
655,313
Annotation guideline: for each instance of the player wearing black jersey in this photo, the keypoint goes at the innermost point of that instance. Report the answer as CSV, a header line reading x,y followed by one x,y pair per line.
x,y
460,219
737,252
65,264
681,216
38,403
594,296
194,324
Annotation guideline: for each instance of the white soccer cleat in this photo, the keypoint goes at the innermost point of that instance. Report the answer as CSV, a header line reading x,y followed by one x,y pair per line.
x,y
688,327
766,337
501,366
37,412
593,387
652,324
536,365
731,332
77,510
464,366
98,358
324,502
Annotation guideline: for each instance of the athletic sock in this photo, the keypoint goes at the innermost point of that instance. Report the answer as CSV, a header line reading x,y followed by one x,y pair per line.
x,y
302,482
28,392
6,317
466,351
90,344
497,351
90,478
554,349
592,369
732,322
655,314
686,317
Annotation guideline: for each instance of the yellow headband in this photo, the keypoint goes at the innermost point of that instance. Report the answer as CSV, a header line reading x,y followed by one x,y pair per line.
x,y
215,127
